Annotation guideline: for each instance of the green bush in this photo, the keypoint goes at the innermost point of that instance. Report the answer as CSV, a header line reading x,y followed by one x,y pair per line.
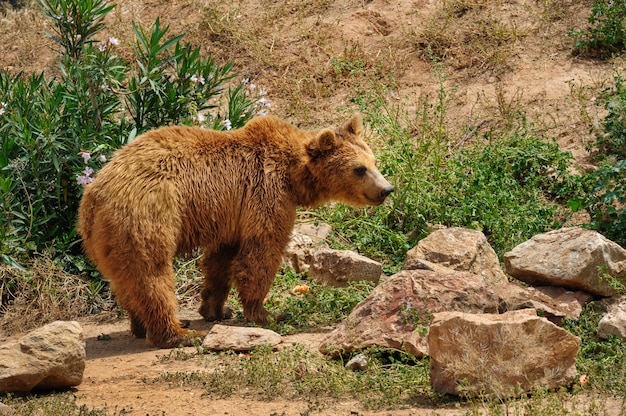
x,y
56,131
606,201
607,33
508,184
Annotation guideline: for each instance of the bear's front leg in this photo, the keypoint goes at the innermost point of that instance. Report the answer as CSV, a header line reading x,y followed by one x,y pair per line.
x,y
254,270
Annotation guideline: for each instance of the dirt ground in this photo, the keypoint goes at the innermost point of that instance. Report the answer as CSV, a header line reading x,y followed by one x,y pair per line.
x,y
275,44
117,369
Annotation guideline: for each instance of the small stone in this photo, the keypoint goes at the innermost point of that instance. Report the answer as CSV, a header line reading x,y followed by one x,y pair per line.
x,y
358,362
236,338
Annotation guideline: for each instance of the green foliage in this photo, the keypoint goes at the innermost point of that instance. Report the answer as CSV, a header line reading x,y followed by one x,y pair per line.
x,y
613,141
607,33
316,306
508,184
392,379
55,132
597,355
605,202
59,404
75,23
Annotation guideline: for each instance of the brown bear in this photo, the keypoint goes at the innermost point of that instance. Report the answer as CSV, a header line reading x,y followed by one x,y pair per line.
x,y
231,193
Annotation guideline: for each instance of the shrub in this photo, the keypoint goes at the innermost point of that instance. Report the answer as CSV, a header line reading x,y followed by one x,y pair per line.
x,y
508,184
56,131
606,201
607,33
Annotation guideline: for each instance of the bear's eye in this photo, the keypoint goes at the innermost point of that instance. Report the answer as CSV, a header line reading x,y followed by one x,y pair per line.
x,y
360,171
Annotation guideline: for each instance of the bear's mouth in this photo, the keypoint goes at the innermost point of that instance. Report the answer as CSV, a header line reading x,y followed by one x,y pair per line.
x,y
375,201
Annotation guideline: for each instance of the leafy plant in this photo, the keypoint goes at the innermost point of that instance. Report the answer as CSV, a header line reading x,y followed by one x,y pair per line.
x,y
605,202
508,184
607,33
596,355
56,132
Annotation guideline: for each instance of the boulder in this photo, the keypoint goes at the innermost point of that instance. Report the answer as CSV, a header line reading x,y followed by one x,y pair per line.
x,y
555,303
458,249
338,267
614,320
236,338
397,313
499,356
50,357
574,258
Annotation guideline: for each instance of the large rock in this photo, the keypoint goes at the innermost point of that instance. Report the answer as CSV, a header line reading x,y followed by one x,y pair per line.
x,y
236,338
459,249
49,357
614,320
574,258
398,312
499,355
338,267
555,303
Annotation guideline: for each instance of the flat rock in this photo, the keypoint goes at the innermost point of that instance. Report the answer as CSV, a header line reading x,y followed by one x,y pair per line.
x,y
555,303
237,338
338,267
50,357
614,320
306,238
574,258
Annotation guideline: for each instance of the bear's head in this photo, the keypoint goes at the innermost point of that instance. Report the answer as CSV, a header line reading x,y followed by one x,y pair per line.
x,y
345,166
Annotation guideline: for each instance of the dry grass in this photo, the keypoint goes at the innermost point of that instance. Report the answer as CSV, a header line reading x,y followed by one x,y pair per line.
x,y
45,293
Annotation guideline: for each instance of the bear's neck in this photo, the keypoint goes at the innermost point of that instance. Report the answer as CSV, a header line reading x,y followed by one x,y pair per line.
x,y
307,189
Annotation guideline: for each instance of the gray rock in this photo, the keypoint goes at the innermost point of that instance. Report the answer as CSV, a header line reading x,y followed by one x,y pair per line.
x,y
614,320
397,313
499,356
338,267
357,363
458,249
49,357
236,338
569,257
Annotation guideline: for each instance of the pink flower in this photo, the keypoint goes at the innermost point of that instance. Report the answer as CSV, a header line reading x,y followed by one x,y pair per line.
x,y
86,156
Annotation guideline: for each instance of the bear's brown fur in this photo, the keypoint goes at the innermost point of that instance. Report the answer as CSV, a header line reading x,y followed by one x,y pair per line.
x,y
234,194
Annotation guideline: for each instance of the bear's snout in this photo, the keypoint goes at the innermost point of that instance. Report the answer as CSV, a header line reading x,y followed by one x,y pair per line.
x,y
386,191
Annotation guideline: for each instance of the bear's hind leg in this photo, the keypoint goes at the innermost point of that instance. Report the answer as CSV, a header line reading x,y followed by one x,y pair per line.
x,y
217,269
149,298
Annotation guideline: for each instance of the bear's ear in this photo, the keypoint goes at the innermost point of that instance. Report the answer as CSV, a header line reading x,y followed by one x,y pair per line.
x,y
355,125
323,142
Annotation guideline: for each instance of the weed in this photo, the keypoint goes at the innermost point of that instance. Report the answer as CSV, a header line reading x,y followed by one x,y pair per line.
x,y
59,404
44,293
467,34
296,373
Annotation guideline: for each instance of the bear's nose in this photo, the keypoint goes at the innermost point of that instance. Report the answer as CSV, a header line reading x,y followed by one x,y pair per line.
x,y
386,191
